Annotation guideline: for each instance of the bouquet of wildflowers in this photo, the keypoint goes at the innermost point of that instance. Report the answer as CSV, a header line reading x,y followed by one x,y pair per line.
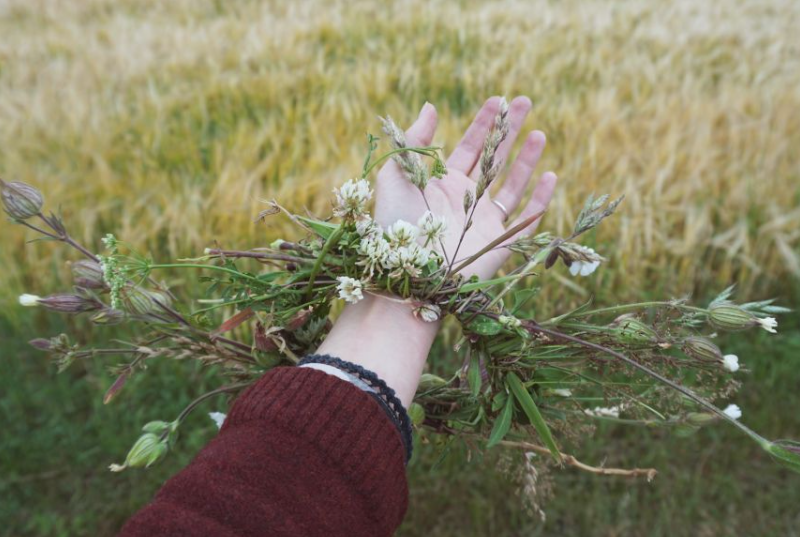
x,y
508,378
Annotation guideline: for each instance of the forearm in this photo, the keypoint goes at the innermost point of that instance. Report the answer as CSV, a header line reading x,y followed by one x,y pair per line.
x,y
382,335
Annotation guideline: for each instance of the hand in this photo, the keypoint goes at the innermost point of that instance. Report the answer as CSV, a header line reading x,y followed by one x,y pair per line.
x,y
383,335
398,199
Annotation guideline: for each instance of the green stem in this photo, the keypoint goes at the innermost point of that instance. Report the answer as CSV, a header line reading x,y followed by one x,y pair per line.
x,y
421,150
330,243
200,266
639,305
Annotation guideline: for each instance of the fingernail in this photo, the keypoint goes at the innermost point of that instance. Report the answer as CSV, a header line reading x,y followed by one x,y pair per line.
x,y
424,106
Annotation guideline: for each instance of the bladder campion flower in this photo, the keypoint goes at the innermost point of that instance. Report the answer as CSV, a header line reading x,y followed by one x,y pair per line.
x,y
731,362
769,324
733,411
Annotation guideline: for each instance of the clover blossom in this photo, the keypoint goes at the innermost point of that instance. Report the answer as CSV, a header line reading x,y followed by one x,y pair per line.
x,y
407,260
433,227
352,198
350,289
366,227
374,251
402,234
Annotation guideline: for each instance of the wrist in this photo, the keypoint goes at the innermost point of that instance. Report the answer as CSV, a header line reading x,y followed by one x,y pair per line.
x,y
383,335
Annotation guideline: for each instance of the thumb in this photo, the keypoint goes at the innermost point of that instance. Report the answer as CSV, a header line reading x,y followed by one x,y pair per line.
x,y
423,129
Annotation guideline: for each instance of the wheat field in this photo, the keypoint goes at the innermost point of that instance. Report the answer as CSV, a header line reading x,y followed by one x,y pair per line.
x,y
169,122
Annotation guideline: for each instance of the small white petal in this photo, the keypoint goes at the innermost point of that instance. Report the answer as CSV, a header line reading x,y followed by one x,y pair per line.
x,y
769,324
563,392
29,300
731,362
350,289
733,411
576,267
218,417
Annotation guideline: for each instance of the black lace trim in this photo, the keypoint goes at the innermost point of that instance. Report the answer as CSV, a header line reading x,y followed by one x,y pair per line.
x,y
383,394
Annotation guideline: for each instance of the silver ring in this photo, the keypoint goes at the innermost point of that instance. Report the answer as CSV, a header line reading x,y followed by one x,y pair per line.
x,y
502,208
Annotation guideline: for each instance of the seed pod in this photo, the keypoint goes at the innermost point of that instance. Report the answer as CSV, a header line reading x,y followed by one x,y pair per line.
x,y
702,349
41,344
66,303
469,199
263,342
138,301
631,330
108,317
731,317
88,274
701,418
21,201
162,297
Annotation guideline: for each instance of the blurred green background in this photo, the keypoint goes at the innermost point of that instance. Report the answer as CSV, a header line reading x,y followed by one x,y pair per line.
x,y
168,123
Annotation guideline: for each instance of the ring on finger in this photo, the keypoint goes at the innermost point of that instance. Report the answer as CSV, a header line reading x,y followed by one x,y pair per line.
x,y
502,208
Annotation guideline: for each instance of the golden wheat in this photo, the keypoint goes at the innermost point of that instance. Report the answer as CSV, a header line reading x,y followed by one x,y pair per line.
x,y
168,122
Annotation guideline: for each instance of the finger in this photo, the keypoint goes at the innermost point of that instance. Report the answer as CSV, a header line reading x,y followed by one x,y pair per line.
x,y
539,201
513,188
466,153
421,132
517,112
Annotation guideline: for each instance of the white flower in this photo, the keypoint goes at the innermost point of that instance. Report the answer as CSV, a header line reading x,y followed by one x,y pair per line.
x,y
430,313
433,227
352,198
366,227
730,362
407,259
29,300
733,411
375,250
401,233
602,412
350,289
218,417
562,392
769,324
584,268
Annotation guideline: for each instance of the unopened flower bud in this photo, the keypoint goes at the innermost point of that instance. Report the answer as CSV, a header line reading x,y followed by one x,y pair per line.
x,y
730,317
108,317
299,319
138,301
29,300
509,321
262,341
633,331
161,297
701,418
41,344
88,274
429,381
416,413
66,303
147,450
21,201
702,349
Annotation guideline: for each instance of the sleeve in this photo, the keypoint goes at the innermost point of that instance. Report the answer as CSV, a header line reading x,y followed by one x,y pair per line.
x,y
301,453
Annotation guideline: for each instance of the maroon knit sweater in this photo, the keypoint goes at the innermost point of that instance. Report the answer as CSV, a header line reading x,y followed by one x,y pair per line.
x,y
301,453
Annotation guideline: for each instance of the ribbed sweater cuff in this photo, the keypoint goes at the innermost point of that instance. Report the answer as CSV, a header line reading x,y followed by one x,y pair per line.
x,y
345,425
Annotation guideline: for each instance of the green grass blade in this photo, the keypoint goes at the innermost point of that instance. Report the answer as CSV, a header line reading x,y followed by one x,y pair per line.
x,y
532,411
502,424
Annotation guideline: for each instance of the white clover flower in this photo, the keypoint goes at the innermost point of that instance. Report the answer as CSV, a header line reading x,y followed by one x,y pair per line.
x,y
374,251
350,289
733,411
730,362
603,412
562,392
407,259
401,233
352,198
433,227
430,313
218,417
367,227
29,300
769,324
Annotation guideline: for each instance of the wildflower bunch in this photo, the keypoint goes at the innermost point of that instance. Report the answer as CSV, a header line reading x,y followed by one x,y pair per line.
x,y
510,379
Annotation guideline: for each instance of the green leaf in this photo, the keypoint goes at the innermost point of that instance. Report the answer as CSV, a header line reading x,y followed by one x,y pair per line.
x,y
532,411
474,374
323,229
483,284
502,424
485,326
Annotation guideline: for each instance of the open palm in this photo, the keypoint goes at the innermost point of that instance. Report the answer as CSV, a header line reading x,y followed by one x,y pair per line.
x,y
398,199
